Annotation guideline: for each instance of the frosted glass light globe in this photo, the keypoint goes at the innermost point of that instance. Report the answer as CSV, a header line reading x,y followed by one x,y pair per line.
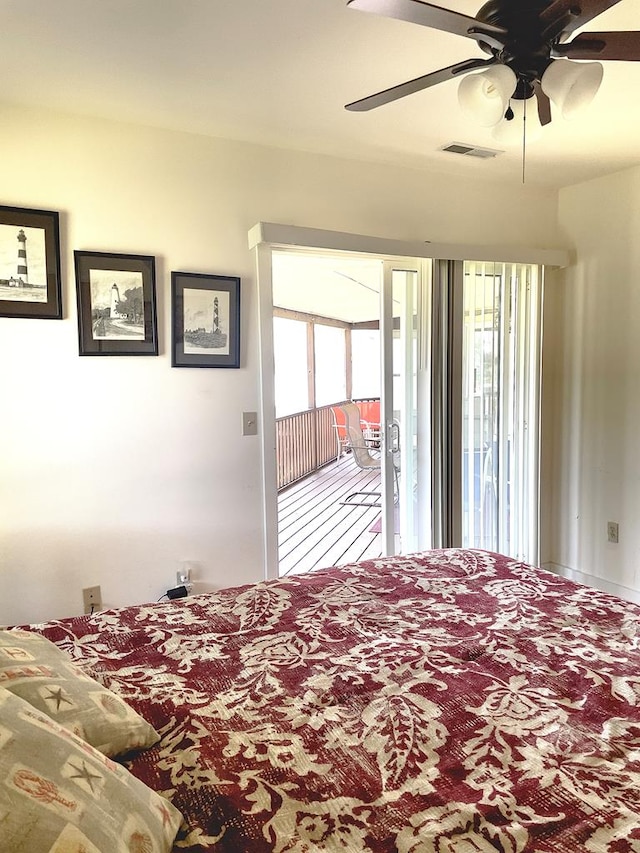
x,y
484,96
572,85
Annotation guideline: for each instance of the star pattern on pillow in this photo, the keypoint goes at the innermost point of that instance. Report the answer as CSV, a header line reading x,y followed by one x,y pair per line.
x,y
85,777
56,697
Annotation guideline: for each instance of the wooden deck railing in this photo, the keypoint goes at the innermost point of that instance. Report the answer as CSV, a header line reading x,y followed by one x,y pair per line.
x,y
304,442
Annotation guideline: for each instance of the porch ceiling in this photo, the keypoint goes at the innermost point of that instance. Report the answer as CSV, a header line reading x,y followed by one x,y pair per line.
x,y
339,287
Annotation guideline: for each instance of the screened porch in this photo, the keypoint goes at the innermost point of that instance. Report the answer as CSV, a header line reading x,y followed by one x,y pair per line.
x,y
322,362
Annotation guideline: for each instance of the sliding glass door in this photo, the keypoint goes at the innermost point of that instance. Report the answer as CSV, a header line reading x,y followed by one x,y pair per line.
x,y
459,368
405,409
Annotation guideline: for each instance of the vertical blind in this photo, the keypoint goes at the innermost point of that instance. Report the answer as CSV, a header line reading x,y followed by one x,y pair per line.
x,y
501,330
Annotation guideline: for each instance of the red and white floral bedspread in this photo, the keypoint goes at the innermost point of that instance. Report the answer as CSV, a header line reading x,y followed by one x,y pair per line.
x,y
449,701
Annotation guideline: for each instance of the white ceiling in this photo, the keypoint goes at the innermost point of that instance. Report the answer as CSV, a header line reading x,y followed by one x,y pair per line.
x,y
279,72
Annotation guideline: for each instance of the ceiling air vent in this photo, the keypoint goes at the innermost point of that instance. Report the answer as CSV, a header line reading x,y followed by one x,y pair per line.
x,y
471,150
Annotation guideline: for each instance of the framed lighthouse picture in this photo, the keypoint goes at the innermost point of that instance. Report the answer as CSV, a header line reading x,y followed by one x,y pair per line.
x,y
205,320
116,304
30,283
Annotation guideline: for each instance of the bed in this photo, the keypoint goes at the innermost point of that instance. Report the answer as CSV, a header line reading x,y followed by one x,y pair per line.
x,y
452,701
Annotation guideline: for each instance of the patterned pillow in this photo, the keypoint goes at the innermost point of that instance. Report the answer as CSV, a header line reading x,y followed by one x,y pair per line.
x,y
35,669
59,795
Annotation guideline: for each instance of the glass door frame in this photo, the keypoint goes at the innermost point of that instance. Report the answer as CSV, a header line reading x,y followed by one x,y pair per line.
x,y
266,236
402,472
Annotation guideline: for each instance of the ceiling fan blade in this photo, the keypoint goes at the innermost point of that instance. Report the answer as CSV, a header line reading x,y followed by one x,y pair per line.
x,y
417,85
565,16
624,46
544,104
428,15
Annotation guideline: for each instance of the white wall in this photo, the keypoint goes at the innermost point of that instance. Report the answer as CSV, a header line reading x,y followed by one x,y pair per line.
x,y
596,456
548,425
114,469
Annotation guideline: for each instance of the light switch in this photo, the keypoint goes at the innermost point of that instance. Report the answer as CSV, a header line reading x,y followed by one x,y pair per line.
x,y
249,423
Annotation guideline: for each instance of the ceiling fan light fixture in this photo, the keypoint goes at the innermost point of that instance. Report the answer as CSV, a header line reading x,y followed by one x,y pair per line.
x,y
510,132
572,85
484,97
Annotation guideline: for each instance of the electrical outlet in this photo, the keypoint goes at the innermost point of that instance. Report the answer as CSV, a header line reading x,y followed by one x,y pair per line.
x,y
183,575
92,598
612,531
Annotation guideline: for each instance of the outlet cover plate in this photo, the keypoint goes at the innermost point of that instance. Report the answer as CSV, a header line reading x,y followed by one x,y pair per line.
x,y
92,598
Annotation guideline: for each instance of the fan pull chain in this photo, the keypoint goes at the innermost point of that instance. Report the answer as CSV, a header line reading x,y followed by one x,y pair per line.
x,y
524,138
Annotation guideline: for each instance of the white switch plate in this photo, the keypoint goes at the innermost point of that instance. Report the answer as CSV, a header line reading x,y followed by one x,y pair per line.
x,y
249,423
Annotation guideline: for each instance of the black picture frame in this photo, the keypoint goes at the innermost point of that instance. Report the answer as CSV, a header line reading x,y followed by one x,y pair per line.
x,y
205,320
116,296
30,280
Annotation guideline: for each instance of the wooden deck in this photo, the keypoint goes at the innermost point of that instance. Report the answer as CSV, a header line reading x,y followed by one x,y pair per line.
x,y
316,530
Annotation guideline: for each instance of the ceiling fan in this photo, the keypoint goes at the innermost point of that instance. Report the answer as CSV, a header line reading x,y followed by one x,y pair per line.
x,y
529,54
